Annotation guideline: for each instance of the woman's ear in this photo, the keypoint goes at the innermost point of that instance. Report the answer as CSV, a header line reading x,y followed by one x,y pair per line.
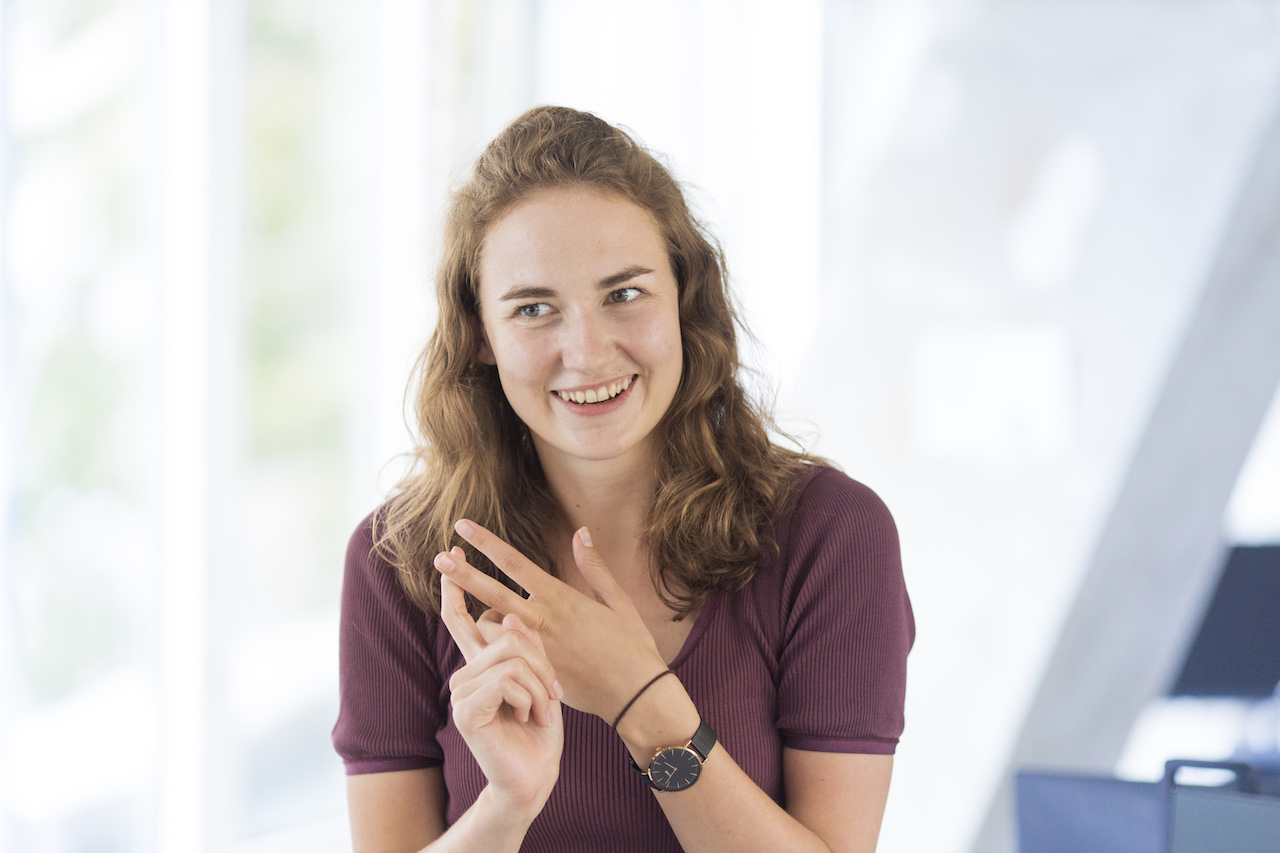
x,y
485,352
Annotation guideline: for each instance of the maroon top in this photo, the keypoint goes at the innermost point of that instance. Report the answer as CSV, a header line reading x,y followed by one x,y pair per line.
x,y
811,655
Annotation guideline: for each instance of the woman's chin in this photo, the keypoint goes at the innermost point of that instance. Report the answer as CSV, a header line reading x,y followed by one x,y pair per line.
x,y
613,450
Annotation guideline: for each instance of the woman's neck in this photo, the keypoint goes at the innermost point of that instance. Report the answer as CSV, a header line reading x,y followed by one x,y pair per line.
x,y
609,497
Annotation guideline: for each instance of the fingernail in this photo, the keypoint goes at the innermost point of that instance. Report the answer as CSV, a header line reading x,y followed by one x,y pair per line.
x,y
557,689
586,537
464,528
445,563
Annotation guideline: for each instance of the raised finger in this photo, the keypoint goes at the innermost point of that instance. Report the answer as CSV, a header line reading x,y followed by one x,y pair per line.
x,y
486,589
509,561
456,618
603,584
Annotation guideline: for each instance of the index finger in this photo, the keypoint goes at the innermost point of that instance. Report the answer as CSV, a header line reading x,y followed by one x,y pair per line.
x,y
509,561
486,589
456,617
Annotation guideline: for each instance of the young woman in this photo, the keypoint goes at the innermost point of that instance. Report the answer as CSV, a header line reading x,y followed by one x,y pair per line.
x,y
605,612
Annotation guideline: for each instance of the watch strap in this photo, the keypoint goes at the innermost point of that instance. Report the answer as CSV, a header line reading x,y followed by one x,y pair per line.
x,y
703,740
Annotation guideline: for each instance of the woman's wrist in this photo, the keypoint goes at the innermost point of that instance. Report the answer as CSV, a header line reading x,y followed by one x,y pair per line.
x,y
663,716
510,814
494,822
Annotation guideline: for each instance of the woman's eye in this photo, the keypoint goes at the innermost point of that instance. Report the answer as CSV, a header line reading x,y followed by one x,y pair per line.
x,y
533,309
625,294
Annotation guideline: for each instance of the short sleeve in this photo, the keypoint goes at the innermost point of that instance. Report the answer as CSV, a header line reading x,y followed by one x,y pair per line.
x,y
389,711
847,621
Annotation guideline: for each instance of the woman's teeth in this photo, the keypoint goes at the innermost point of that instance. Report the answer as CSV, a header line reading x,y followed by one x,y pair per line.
x,y
595,395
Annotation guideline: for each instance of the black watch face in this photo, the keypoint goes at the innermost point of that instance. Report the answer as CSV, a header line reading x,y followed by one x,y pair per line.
x,y
675,769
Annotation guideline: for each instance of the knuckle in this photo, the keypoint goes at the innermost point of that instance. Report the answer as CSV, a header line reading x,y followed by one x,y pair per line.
x,y
539,621
509,562
504,600
514,640
515,666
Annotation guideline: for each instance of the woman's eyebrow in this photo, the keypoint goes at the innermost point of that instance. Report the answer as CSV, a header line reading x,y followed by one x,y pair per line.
x,y
624,276
527,292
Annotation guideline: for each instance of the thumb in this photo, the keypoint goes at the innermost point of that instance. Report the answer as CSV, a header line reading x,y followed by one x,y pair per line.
x,y
594,571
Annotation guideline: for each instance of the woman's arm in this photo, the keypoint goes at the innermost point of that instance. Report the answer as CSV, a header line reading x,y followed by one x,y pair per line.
x,y
835,801
403,812
840,796
506,706
397,812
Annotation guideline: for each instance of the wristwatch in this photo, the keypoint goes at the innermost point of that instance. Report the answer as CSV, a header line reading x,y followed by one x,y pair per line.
x,y
675,768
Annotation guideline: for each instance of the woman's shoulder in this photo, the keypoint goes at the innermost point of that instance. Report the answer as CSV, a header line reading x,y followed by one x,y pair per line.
x,y
834,527
375,602
361,539
363,551
370,575
827,498
387,545
366,567
841,547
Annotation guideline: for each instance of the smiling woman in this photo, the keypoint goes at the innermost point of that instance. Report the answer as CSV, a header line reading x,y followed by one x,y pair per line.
x,y
592,475
608,321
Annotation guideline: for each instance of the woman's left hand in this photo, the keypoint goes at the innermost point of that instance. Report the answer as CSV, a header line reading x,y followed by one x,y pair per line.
x,y
600,648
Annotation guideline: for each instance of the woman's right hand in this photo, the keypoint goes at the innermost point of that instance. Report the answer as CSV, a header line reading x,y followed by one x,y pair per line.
x,y
506,704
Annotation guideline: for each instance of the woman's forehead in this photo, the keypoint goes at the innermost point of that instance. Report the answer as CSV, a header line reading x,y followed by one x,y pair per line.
x,y
565,235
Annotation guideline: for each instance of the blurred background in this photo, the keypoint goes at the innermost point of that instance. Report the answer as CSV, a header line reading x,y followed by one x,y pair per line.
x,y
1010,263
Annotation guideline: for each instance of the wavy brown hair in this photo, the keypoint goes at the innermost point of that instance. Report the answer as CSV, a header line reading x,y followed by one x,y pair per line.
x,y
720,479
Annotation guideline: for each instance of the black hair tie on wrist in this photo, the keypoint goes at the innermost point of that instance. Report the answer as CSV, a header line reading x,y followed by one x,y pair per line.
x,y
627,707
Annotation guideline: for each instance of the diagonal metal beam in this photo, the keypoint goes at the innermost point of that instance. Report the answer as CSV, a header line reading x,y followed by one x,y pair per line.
x,y
1158,555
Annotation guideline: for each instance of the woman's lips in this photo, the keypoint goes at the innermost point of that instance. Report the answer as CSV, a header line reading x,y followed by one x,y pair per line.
x,y
589,409
596,394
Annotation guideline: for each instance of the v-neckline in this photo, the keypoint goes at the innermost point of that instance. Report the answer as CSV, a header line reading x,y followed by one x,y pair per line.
x,y
700,623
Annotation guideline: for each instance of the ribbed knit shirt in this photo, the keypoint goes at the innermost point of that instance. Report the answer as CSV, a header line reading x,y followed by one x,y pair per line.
x,y
810,655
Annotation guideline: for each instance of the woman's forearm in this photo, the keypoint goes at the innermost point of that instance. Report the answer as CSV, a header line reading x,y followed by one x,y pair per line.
x,y
724,810
727,811
490,824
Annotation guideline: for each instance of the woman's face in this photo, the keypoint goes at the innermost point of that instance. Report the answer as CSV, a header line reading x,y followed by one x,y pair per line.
x,y
580,313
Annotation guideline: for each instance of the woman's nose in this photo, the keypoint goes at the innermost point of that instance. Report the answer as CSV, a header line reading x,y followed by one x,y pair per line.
x,y
587,343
